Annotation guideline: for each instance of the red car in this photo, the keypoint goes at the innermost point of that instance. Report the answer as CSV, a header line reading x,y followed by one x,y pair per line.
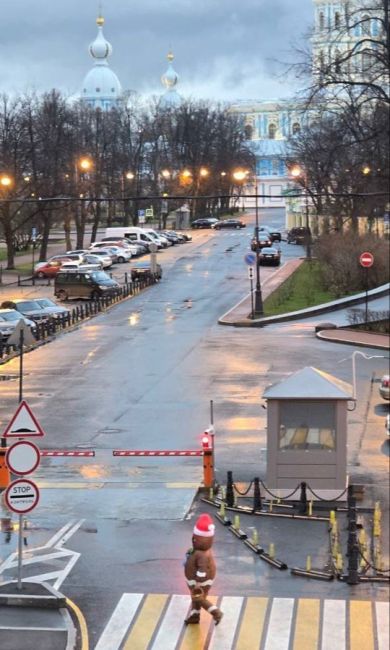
x,y
47,269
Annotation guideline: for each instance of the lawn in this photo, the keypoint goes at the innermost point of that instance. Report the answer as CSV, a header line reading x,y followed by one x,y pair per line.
x,y
301,290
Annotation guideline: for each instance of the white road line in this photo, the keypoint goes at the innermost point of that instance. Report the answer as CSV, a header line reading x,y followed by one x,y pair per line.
x,y
119,622
279,626
172,624
382,625
53,540
66,571
333,626
70,533
223,635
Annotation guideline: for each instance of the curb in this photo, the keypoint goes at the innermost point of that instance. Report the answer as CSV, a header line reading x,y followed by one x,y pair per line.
x,y
362,344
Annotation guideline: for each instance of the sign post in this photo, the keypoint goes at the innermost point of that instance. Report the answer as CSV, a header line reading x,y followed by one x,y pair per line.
x,y
366,261
250,260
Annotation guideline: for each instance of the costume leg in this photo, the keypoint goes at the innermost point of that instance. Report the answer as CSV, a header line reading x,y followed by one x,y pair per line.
x,y
209,607
194,614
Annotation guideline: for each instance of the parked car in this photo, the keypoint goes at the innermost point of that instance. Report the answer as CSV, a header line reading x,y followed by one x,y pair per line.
x,y
299,235
387,425
183,235
274,233
143,269
104,257
121,254
51,307
263,240
28,308
9,318
269,255
81,266
203,223
47,269
228,223
90,285
384,387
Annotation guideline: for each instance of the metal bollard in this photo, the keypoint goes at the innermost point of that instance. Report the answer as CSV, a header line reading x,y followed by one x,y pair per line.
x,y
302,508
229,490
256,494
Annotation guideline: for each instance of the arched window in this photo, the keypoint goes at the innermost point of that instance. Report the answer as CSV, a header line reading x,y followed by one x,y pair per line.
x,y
272,131
337,61
366,25
321,21
296,128
337,20
248,130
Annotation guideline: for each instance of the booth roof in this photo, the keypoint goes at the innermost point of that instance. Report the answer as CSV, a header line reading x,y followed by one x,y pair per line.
x,y
310,383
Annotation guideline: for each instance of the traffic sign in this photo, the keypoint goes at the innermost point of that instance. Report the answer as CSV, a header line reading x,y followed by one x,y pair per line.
x,y
250,259
22,332
250,272
21,496
23,424
366,259
149,212
23,457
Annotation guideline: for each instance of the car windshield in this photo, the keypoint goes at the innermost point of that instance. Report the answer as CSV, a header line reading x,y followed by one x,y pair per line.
x,y
46,302
100,276
28,305
10,315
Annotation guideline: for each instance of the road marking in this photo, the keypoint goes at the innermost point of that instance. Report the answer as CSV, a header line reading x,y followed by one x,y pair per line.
x,y
119,622
142,632
382,625
361,625
157,622
333,630
252,623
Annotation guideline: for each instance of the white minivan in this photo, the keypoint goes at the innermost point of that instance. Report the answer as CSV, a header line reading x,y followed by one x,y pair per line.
x,y
133,233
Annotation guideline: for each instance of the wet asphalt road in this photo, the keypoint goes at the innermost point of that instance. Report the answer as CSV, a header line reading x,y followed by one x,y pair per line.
x,y
141,377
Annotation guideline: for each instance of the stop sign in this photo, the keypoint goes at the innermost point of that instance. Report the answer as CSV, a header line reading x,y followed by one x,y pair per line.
x,y
366,259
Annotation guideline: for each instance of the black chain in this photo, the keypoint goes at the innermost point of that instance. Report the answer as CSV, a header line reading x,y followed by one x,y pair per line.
x,y
243,494
372,566
327,500
277,496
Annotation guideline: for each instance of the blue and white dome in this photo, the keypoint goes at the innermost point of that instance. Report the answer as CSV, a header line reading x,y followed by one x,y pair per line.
x,y
101,87
169,80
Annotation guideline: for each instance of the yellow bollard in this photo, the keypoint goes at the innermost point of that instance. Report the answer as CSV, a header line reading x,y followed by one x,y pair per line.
x,y
271,503
223,493
376,528
255,537
339,562
278,500
362,539
271,550
236,523
308,563
332,516
310,508
222,510
211,494
377,511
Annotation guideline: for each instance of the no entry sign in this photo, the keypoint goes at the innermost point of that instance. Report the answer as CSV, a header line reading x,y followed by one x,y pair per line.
x,y
23,457
21,496
366,260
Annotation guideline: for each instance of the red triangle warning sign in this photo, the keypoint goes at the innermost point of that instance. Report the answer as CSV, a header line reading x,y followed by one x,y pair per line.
x,y
23,424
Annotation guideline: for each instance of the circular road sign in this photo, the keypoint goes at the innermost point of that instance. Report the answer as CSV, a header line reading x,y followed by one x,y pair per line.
x,y
250,259
366,260
23,457
21,496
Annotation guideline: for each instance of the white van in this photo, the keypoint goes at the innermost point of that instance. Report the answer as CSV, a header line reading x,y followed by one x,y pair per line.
x,y
132,233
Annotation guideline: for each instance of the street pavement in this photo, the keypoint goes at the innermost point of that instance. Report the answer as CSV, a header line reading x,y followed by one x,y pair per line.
x,y
156,616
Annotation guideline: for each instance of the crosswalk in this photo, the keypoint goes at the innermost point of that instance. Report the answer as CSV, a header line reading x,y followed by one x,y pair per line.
x,y
155,622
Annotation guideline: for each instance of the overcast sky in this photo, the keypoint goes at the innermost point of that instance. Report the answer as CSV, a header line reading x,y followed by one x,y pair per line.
x,y
224,49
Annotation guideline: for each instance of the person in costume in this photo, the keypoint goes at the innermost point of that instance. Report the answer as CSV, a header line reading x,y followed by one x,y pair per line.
x,y
200,570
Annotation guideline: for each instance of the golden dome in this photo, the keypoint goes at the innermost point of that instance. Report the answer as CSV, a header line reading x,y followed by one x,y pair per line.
x,y
170,56
100,21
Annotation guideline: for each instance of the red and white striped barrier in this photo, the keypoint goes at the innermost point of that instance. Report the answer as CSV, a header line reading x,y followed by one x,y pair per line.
x,y
157,452
67,453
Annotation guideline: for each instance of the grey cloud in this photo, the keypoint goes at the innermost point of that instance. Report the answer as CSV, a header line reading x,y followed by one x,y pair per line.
x,y
225,46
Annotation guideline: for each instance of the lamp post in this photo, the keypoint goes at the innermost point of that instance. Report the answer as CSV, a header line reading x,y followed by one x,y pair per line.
x,y
258,310
299,172
82,167
129,176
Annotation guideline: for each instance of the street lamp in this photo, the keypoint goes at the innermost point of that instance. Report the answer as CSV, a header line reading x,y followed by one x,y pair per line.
x,y
299,172
240,176
6,181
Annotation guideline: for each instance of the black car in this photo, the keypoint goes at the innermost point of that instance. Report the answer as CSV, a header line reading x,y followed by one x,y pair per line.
x,y
264,239
228,223
269,255
299,235
274,233
141,270
203,223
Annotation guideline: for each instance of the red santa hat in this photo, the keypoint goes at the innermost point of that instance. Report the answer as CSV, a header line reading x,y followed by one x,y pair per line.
x,y
204,526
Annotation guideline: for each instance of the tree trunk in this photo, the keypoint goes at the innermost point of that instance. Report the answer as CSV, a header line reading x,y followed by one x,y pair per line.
x,y
67,228
45,235
96,221
80,217
8,236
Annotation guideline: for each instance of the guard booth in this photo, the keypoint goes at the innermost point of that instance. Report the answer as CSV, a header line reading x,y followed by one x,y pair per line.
x,y
182,217
307,434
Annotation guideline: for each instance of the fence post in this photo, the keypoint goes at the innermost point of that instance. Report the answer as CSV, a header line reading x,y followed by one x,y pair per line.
x,y
352,544
229,490
256,494
302,508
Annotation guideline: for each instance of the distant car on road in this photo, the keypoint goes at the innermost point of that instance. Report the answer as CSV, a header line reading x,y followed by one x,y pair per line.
x,y
261,241
203,223
269,255
141,270
299,235
384,388
274,233
228,223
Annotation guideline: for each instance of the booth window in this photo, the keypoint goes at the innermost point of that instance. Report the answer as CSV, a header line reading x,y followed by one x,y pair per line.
x,y
307,426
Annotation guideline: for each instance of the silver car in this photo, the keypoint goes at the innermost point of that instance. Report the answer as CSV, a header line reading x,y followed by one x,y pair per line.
x,y
9,318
